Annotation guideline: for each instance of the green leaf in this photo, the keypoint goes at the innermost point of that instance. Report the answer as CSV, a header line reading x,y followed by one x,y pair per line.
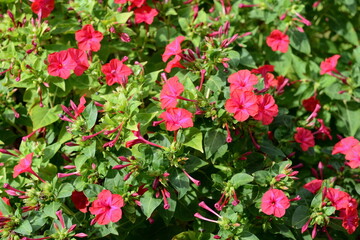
x,y
246,59
248,236
299,41
50,209
269,148
90,114
343,27
43,116
213,140
189,235
262,177
4,208
180,182
50,151
215,84
194,163
122,18
240,179
300,216
149,203
25,228
93,190
65,190
194,138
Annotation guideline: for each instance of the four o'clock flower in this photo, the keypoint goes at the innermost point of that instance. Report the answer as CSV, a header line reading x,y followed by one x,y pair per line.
x,y
60,64
107,208
43,8
313,186
25,166
88,39
243,104
267,109
305,138
145,14
278,41
242,80
173,48
116,72
170,92
80,201
275,202
176,118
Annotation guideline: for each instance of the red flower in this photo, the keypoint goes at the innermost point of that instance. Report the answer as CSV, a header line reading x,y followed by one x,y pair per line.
x,y
80,201
274,202
329,65
116,72
175,62
267,109
25,166
313,186
173,48
145,14
350,219
242,80
176,118
305,138
45,7
345,145
88,38
338,198
81,60
263,70
243,104
353,157
278,41
310,103
61,64
170,92
107,208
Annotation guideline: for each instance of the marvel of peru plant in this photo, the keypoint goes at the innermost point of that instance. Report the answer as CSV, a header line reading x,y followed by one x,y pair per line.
x,y
183,120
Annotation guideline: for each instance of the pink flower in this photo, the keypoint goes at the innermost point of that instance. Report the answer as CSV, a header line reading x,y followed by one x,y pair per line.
x,y
353,157
45,7
107,208
313,186
145,14
81,60
25,166
338,198
350,219
345,145
80,201
305,138
329,65
175,62
274,202
170,92
242,80
61,64
173,48
278,41
176,118
243,104
267,109
116,72
88,39
310,103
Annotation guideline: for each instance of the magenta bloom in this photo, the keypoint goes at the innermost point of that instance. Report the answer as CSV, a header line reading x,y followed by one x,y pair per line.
x,y
353,157
173,48
145,14
45,7
61,64
88,39
242,80
329,65
80,201
345,145
305,138
107,208
170,92
176,118
267,109
243,104
116,72
25,166
278,41
274,202
313,186
81,60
